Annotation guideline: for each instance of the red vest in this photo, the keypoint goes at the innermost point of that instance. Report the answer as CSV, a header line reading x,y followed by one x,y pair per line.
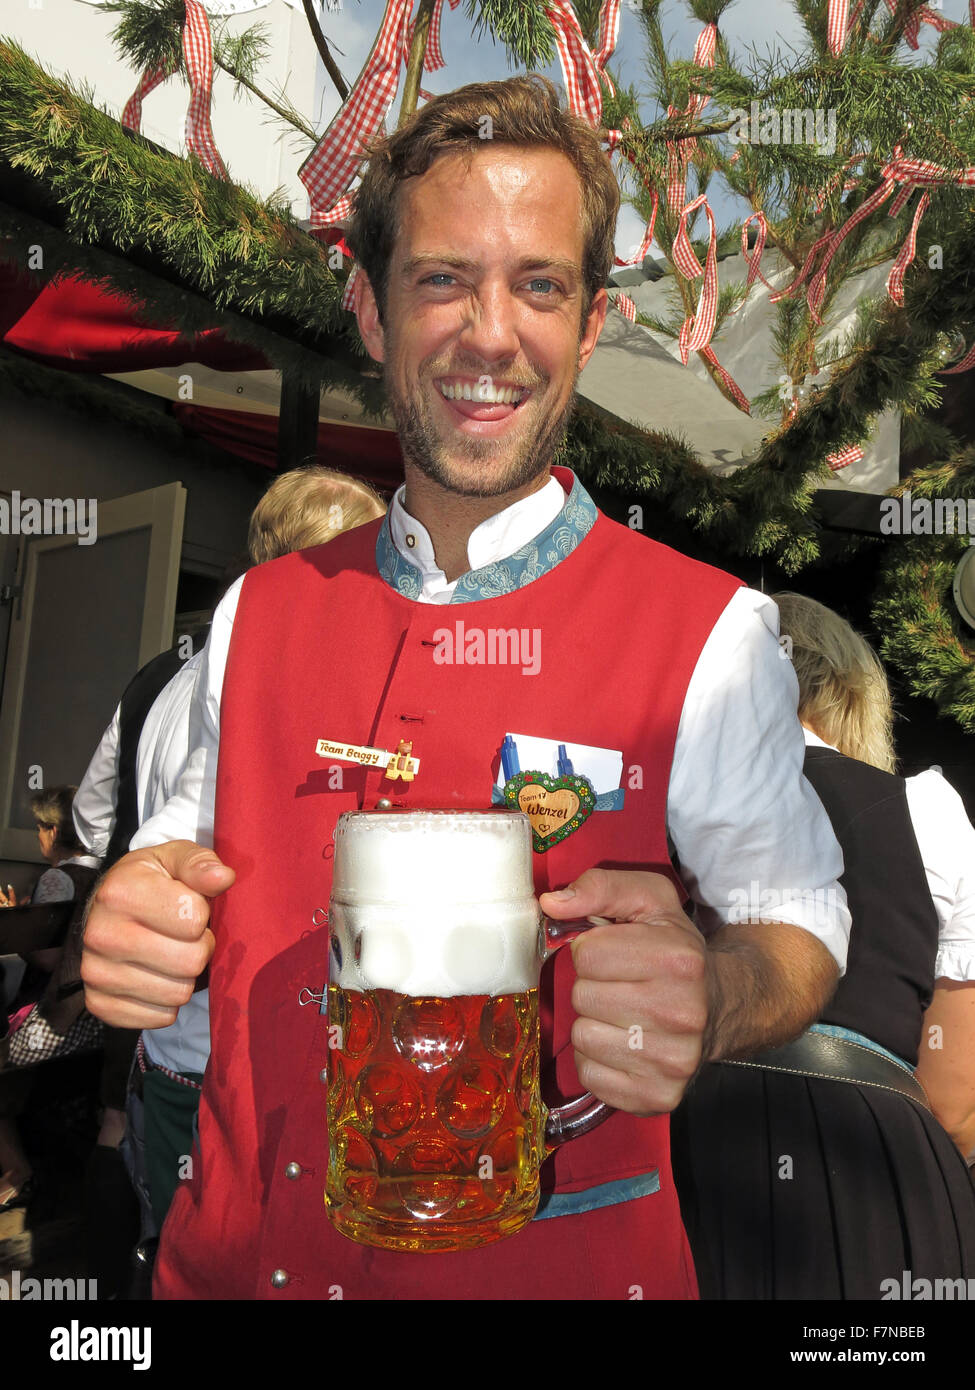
x,y
324,648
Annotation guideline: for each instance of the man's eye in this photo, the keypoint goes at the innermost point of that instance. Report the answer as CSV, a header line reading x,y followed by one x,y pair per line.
x,y
541,280
439,278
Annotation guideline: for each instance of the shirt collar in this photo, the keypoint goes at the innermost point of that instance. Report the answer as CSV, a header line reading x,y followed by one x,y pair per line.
x,y
505,552
814,741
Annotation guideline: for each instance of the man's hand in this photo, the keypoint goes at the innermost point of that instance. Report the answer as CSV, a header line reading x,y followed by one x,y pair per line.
x,y
642,993
655,1000
146,934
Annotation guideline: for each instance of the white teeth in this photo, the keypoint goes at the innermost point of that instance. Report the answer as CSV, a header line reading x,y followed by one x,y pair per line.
x,y
482,392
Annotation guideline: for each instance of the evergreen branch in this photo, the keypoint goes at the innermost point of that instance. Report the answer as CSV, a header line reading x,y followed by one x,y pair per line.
x,y
414,63
324,52
524,28
288,114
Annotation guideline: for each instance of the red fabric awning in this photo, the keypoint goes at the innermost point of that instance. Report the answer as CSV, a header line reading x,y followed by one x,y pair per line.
x,y
77,326
371,454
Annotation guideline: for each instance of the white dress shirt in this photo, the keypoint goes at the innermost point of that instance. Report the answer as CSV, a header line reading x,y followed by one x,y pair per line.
x,y
162,756
946,838
739,811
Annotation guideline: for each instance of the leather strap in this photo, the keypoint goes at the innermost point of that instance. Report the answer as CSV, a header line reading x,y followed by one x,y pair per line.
x,y
838,1059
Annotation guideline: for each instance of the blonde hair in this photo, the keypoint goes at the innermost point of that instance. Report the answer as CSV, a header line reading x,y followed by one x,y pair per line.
x,y
306,507
843,692
51,808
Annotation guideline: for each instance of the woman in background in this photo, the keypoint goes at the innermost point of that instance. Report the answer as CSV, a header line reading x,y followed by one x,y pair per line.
x,y
70,877
819,1170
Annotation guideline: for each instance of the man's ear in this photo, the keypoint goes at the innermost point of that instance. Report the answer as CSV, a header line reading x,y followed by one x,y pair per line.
x,y
367,313
593,326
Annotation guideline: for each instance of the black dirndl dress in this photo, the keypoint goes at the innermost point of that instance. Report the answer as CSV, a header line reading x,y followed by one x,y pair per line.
x,y
797,1187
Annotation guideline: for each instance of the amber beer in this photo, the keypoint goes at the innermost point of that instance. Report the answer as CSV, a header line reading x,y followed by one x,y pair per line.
x,y
435,1124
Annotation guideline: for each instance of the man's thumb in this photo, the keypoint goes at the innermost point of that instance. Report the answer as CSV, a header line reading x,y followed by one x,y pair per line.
x,y
196,866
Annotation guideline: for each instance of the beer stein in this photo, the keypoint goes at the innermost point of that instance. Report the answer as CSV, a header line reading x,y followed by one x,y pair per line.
x,y
436,1126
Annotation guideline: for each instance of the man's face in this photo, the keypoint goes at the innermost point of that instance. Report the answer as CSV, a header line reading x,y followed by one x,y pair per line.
x,y
484,336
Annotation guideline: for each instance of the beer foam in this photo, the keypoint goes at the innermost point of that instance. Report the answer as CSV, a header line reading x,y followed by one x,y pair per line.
x,y
435,904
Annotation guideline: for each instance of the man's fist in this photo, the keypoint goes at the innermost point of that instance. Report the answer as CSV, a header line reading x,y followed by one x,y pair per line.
x,y
643,989
146,934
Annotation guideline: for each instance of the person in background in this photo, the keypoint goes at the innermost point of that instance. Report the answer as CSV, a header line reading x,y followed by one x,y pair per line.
x,y
70,877
301,508
820,1170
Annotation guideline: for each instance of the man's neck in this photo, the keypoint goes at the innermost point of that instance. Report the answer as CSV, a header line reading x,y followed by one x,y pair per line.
x,y
450,518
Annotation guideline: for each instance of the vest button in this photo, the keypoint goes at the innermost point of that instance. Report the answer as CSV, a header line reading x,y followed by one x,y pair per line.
x,y
323,1074
384,804
279,1279
293,1171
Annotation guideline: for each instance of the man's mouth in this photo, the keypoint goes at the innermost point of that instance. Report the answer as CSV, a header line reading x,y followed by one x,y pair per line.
x,y
482,399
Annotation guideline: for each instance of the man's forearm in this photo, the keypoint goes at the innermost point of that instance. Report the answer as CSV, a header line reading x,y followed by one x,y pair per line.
x,y
768,981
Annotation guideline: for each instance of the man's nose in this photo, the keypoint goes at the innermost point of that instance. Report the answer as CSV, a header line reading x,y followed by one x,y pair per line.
x,y
491,328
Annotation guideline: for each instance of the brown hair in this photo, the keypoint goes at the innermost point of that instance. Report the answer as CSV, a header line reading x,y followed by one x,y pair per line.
x,y
51,808
843,692
306,507
521,111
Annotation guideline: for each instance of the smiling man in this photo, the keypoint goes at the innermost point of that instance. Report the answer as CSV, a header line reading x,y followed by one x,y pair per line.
x,y
482,294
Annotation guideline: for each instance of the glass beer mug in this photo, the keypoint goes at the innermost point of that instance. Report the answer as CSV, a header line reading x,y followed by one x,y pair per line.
x,y
437,1131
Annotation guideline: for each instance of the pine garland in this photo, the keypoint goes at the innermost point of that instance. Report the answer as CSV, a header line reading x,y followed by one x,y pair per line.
x,y
248,266
922,634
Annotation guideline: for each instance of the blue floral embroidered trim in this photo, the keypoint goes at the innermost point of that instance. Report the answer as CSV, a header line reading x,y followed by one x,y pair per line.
x,y
605,801
539,555
606,1194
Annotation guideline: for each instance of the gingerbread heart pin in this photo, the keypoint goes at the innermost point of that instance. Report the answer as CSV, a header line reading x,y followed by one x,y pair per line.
x,y
555,806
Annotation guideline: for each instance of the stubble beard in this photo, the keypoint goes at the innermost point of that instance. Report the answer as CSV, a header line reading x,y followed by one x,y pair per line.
x,y
423,447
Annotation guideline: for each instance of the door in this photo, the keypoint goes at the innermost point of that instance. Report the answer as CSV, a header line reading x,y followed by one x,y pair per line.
x,y
87,611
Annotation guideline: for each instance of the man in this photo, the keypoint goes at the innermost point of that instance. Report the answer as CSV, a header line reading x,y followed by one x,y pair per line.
x,y
481,292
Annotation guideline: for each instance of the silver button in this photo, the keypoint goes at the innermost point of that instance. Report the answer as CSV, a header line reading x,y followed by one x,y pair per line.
x,y
411,541
323,1074
279,1278
293,1171
384,804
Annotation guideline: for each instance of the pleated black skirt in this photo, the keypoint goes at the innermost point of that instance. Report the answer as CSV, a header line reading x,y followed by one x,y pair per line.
x,y
796,1187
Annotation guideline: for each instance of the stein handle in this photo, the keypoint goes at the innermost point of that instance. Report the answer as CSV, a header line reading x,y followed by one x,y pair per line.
x,y
579,1116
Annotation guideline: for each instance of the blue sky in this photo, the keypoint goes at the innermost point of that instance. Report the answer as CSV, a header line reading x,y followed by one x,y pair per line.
x,y
760,24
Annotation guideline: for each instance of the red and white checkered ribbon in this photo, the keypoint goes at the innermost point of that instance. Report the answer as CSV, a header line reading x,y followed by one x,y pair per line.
x,y
832,182
330,168
925,15
679,151
895,280
647,241
910,173
198,56
741,400
626,307
754,261
433,59
580,67
844,457
198,52
838,26
150,79
696,331
968,361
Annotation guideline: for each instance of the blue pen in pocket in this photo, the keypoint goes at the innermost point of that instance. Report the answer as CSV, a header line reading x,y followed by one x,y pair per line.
x,y
509,758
